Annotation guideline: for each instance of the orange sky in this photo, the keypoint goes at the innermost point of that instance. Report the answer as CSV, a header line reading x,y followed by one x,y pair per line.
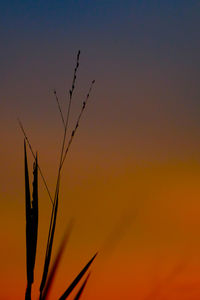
x,y
143,217
131,179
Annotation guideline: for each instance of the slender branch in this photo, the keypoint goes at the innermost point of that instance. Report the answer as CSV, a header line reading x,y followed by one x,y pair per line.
x,y
34,156
59,107
77,122
71,91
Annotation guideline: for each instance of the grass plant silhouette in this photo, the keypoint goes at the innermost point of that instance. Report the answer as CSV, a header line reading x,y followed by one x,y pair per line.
x,y
32,207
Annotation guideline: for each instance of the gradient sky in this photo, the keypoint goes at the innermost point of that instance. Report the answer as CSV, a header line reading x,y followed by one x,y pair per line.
x,y
131,180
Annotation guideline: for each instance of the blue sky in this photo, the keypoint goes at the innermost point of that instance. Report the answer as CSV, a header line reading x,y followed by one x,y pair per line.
x,y
143,54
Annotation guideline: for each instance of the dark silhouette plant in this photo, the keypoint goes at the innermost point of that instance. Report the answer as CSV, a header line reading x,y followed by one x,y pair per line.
x,y
32,208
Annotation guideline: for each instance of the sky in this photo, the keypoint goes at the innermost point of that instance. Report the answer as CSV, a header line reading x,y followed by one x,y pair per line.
x,y
131,179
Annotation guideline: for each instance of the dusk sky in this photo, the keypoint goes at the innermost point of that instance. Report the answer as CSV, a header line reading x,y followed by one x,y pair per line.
x,y
131,179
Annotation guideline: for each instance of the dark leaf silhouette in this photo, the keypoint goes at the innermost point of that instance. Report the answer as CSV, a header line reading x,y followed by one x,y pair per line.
x,y
32,207
78,295
56,263
77,279
49,244
31,223
34,156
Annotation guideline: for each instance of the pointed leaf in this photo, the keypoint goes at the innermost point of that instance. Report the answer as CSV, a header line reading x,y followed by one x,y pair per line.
x,y
76,280
56,262
78,295
31,223
49,244
35,211
28,218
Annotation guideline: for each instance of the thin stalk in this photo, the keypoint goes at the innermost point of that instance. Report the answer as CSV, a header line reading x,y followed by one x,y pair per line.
x,y
59,107
77,122
55,202
34,156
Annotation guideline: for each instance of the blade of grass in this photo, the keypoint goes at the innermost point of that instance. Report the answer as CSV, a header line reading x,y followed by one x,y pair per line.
x,y
34,156
78,295
77,279
31,223
56,262
34,210
49,246
28,228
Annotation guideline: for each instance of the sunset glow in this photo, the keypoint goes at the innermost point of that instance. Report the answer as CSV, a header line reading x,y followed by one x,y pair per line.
x,y
131,178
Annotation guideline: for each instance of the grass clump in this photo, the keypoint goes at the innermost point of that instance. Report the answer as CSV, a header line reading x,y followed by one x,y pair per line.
x,y
32,207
